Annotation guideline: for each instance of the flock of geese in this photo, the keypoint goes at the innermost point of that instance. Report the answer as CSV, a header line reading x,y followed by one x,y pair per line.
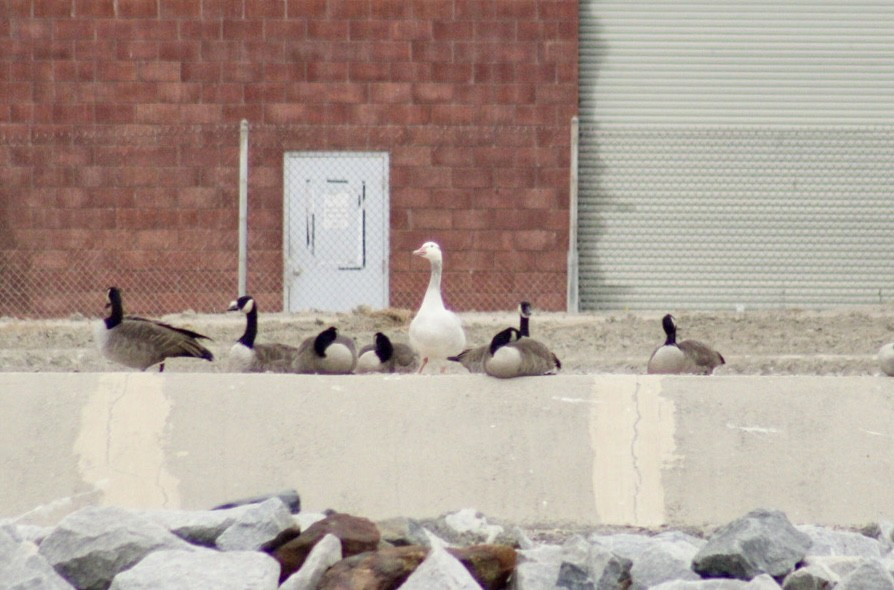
x,y
435,334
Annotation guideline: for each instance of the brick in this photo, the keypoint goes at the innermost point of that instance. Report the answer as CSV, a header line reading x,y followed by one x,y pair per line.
x,y
516,9
179,51
433,9
327,72
320,92
69,114
369,72
432,93
429,219
453,114
225,51
95,8
180,8
265,10
54,50
223,8
433,51
471,177
389,51
410,72
52,8
562,10
201,72
33,30
328,30
179,92
68,29
241,72
473,218
265,93
138,9
243,30
495,30
388,92
74,71
205,30
368,30
306,8
286,30
157,113
453,31
452,73
116,71
194,114
162,71
412,30
390,9
349,9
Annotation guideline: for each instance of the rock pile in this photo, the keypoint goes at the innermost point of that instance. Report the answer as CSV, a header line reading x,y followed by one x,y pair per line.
x,y
264,545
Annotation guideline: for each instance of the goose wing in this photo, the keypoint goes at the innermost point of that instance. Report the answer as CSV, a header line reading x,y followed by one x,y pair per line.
x,y
275,358
704,359
536,358
143,343
404,358
471,358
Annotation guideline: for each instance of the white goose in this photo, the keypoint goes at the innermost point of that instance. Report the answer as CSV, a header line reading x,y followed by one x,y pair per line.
x,y
435,332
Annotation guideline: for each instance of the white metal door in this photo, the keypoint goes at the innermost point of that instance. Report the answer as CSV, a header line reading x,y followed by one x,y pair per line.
x,y
335,230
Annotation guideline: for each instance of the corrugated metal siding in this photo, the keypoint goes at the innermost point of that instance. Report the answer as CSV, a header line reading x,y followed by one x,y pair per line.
x,y
736,154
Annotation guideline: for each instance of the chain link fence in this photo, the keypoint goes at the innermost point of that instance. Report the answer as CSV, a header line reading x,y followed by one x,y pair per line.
x,y
154,210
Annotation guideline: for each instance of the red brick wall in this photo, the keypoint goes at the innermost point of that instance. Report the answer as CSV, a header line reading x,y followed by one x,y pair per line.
x,y
119,141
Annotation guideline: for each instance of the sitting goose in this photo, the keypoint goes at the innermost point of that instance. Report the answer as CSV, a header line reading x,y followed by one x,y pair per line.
x,y
688,356
140,343
886,359
327,353
248,357
435,332
473,358
510,355
387,357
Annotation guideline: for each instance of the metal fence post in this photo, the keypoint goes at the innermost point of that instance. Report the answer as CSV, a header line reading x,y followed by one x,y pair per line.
x,y
243,205
572,295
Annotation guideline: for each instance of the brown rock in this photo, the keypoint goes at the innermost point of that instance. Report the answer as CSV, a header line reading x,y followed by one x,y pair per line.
x,y
385,569
356,534
490,565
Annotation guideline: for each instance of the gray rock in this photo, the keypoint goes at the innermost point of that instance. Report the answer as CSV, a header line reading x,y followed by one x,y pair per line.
x,y
201,570
256,525
289,497
440,570
656,559
811,577
90,546
762,541
400,531
825,541
869,575
199,527
840,565
22,567
470,527
761,582
589,565
537,568
324,555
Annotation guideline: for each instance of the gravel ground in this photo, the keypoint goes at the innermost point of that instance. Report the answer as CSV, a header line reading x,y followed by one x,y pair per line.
x,y
760,342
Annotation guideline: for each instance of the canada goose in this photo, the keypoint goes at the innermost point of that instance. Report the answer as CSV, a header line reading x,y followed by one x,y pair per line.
x,y
248,357
327,353
687,356
473,358
140,343
886,358
435,332
386,357
510,355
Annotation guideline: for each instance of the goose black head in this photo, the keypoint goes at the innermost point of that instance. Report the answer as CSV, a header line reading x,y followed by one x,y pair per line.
x,y
324,339
113,300
503,338
245,304
524,313
670,329
384,348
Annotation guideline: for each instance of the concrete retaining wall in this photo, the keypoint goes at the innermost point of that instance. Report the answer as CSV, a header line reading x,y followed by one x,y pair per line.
x,y
603,449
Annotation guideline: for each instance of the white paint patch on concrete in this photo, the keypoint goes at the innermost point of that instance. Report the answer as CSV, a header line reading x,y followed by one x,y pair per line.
x,y
753,429
121,441
632,436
